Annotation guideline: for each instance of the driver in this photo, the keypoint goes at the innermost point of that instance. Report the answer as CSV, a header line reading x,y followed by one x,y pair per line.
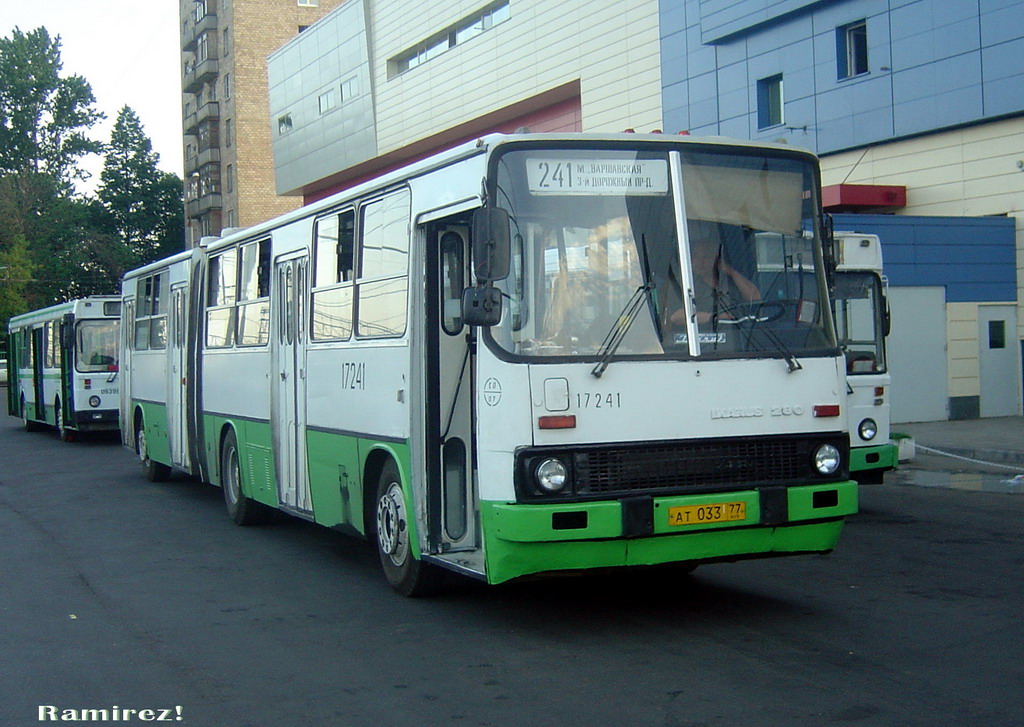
x,y
717,285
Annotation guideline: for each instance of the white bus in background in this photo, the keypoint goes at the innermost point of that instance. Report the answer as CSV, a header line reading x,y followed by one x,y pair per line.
x,y
155,384
63,366
862,323
518,376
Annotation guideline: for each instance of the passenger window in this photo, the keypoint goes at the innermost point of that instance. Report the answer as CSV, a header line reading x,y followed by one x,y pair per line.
x,y
383,285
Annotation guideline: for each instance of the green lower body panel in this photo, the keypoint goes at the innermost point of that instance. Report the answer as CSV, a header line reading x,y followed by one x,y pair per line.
x,y
529,539
879,458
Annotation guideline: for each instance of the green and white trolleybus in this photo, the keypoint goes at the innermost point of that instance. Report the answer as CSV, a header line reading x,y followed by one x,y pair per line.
x,y
862,323
63,366
529,354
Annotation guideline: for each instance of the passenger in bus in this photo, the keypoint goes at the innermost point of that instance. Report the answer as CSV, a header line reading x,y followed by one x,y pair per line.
x,y
718,286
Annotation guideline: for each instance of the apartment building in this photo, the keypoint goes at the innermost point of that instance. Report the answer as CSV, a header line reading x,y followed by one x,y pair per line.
x,y
229,169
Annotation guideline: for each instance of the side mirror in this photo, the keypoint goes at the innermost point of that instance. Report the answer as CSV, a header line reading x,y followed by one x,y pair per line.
x,y
491,244
481,306
67,331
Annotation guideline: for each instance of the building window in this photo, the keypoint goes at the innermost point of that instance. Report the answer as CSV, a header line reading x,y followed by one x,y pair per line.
x,y
229,132
309,3
225,46
326,101
349,89
769,102
997,334
284,124
229,179
227,86
469,27
852,49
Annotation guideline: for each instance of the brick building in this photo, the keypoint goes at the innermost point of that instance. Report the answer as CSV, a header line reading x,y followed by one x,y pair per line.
x,y
229,169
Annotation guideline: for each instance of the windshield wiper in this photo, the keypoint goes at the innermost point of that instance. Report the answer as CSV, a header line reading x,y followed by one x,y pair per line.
x,y
621,327
755,320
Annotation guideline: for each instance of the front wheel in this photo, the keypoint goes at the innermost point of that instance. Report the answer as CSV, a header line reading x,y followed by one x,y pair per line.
x,y
63,433
406,574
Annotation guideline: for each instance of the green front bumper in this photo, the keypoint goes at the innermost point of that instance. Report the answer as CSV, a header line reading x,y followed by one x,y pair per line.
x,y
879,457
527,539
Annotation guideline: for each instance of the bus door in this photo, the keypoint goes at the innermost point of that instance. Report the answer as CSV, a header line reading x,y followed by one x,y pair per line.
x,y
452,505
177,378
38,410
288,402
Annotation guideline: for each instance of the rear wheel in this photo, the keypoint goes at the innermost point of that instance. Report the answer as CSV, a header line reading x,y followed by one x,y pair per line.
x,y
29,424
152,471
406,574
242,509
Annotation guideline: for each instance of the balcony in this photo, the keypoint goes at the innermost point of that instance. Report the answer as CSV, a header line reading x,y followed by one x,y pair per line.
x,y
200,73
209,111
194,28
200,160
199,207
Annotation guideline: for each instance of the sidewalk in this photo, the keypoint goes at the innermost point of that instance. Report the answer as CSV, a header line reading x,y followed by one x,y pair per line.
x,y
999,439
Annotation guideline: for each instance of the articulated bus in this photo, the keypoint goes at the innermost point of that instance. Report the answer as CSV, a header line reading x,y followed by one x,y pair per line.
x,y
530,354
63,366
862,323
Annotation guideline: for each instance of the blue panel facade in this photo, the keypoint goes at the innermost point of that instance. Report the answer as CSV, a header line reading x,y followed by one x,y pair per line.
x,y
931,64
973,257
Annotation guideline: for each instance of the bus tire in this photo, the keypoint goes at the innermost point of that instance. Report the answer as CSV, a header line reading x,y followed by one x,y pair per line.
x,y
151,470
405,573
29,424
63,433
243,510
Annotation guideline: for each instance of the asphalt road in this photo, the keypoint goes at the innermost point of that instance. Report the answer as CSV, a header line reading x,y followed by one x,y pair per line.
x,y
118,593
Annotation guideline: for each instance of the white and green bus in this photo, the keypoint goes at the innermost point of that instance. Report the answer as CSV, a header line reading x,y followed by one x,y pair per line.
x,y
63,366
510,359
862,324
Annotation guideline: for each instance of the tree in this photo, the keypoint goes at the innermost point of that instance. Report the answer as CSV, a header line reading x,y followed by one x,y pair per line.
x,y
15,276
144,203
43,117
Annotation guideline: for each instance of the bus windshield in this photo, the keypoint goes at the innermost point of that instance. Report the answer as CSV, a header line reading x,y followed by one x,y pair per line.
x,y
596,253
97,345
859,305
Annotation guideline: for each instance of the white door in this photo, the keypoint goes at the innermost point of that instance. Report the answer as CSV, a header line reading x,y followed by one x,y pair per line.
x,y
288,403
916,347
999,367
452,505
177,378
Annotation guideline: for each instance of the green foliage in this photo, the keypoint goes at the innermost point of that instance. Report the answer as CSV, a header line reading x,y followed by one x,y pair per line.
x,y
15,276
55,245
43,116
144,203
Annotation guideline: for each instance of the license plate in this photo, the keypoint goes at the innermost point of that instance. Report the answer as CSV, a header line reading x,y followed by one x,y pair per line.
x,y
721,512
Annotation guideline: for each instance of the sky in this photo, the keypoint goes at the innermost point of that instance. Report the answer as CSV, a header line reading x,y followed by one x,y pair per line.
x,y
128,51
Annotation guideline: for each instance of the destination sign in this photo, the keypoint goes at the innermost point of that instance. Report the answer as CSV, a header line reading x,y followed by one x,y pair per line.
x,y
597,176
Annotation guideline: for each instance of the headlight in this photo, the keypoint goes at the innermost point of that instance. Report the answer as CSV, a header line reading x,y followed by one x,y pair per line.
x,y
551,475
94,401
867,429
826,459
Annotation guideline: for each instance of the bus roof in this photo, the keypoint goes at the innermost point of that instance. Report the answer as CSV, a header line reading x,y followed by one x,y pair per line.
x,y
57,310
466,150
